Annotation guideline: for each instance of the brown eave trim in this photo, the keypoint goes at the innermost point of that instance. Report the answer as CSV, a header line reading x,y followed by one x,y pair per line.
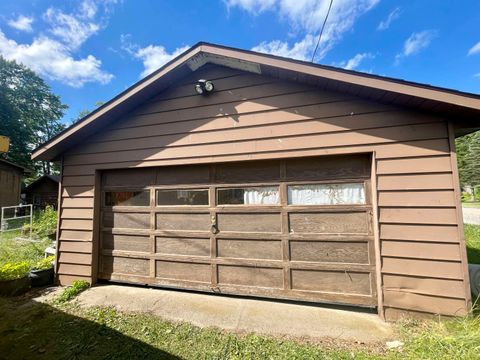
x,y
352,78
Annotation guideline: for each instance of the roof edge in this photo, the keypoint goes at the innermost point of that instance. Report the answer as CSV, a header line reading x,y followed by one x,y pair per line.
x,y
429,92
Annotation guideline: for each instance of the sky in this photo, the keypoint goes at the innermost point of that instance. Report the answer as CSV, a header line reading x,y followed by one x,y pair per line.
x,y
91,50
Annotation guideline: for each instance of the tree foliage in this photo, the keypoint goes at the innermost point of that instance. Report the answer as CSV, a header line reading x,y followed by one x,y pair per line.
x,y
30,113
468,155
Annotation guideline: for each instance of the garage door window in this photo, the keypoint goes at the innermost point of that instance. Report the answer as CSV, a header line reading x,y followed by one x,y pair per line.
x,y
260,195
127,198
326,194
182,197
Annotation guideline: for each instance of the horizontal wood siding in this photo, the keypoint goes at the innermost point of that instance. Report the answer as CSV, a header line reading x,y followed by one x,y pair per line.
x,y
254,117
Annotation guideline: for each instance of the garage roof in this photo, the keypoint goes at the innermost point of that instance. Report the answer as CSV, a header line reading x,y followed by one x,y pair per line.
x,y
465,107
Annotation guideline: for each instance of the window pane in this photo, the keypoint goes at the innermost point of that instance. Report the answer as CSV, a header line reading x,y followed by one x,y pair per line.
x,y
326,194
127,198
262,195
182,197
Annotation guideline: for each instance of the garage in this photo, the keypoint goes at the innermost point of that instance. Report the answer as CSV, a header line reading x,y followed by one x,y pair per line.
x,y
294,229
287,180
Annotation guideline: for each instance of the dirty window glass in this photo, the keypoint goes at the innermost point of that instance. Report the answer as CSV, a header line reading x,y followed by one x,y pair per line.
x,y
259,195
326,194
182,197
127,198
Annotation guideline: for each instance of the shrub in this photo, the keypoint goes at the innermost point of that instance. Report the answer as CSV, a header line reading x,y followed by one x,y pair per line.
x,y
45,222
44,264
12,271
76,288
466,197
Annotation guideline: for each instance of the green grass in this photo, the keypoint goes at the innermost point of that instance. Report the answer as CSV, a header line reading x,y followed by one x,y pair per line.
x,y
67,331
475,204
13,251
472,239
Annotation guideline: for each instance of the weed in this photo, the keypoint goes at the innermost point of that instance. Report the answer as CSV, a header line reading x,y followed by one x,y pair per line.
x,y
70,292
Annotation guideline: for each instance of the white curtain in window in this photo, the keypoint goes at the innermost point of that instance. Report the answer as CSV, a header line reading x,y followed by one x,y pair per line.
x,y
326,194
261,196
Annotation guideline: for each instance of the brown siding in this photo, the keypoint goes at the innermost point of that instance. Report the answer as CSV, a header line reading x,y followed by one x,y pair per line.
x,y
250,117
10,184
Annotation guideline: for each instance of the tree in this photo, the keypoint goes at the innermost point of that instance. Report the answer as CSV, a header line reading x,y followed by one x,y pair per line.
x,y
85,112
468,155
30,113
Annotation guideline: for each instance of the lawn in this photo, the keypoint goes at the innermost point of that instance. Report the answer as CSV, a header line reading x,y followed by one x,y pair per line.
x,y
474,204
13,250
472,239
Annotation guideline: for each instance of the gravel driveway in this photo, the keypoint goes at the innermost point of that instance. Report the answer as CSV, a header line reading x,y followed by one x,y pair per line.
x,y
471,215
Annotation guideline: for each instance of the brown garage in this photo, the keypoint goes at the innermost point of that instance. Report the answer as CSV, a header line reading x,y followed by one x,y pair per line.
x,y
289,180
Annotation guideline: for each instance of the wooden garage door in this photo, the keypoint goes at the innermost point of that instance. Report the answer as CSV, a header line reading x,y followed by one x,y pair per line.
x,y
293,229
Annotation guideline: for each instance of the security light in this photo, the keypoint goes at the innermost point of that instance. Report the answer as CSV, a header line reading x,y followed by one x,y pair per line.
x,y
204,87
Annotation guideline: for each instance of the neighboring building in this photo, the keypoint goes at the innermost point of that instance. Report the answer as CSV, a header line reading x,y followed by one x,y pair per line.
x,y
43,192
290,180
10,182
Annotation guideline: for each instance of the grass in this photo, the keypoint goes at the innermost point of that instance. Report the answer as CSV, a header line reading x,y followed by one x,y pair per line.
x,y
13,251
474,204
472,239
68,331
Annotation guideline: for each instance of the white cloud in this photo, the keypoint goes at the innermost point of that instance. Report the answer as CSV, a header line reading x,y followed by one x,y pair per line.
x,y
71,29
53,60
306,18
300,50
355,61
385,24
475,49
416,42
53,54
154,56
252,6
23,23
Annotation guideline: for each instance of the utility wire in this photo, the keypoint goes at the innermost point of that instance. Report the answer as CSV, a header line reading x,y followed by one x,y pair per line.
x,y
321,31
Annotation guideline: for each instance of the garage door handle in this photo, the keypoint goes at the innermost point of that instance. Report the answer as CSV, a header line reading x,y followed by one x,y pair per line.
x,y
213,229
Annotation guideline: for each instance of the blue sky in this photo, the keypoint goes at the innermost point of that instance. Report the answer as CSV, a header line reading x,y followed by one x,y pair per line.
x,y
90,50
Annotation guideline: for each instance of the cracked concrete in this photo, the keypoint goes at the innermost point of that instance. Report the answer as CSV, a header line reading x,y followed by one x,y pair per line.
x,y
242,314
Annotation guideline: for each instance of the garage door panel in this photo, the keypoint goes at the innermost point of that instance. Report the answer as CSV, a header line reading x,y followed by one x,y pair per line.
x,y
182,246
333,167
333,222
189,271
331,281
126,177
174,175
250,276
249,222
126,220
258,171
182,222
294,229
126,242
330,251
124,265
249,249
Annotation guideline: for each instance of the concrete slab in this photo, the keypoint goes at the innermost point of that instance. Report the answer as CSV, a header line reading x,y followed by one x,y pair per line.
x,y
471,215
242,314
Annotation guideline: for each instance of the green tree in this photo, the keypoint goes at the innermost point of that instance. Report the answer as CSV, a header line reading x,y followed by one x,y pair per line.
x,y
85,112
29,111
468,155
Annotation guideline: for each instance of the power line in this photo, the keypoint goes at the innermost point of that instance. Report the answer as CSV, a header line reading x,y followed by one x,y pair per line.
x,y
321,31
